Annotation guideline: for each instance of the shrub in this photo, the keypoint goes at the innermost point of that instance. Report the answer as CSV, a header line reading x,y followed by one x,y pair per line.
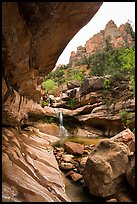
x,y
97,64
76,75
127,58
59,72
51,87
79,76
123,116
44,103
127,118
72,103
48,85
106,85
132,85
106,102
48,119
83,70
78,63
86,60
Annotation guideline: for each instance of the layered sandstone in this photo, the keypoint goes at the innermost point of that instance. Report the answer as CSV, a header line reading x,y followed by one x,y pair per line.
x,y
30,170
33,38
117,36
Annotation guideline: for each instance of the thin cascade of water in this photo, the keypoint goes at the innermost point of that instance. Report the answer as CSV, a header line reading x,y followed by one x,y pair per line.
x,y
49,101
60,118
63,133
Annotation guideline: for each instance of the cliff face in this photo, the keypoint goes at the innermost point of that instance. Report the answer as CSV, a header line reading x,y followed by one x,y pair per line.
x,y
119,36
34,34
33,38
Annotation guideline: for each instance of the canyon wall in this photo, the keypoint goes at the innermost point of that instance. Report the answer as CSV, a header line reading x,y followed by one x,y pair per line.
x,y
116,36
34,34
33,38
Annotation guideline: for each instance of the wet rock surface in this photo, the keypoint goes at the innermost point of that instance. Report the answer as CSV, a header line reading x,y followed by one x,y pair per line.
x,y
39,164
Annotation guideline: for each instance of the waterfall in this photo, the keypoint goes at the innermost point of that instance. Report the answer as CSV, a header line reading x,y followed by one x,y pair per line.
x,y
49,101
60,118
63,133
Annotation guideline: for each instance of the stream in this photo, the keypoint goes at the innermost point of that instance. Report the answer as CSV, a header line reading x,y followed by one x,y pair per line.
x,y
78,192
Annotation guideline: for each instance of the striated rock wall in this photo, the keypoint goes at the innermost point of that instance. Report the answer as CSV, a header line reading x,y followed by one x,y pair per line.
x,y
30,170
108,111
34,34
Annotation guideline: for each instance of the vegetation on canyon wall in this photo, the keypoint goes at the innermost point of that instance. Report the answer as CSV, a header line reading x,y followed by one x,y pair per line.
x,y
109,52
118,63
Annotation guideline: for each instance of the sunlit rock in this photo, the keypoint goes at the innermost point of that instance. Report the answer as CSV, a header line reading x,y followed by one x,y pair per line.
x,y
30,170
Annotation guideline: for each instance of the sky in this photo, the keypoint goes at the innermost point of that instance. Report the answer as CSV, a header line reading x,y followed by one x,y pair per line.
x,y
119,12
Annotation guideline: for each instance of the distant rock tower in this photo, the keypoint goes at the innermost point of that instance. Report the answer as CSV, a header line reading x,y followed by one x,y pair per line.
x,y
122,36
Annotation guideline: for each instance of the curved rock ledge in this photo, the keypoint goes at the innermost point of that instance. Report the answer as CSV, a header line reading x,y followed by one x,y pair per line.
x,y
33,38
30,170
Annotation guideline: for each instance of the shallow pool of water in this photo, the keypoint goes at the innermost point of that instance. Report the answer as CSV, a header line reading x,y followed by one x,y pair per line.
x,y
84,140
81,140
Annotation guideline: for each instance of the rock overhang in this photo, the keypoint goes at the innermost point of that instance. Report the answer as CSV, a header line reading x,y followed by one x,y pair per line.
x,y
34,38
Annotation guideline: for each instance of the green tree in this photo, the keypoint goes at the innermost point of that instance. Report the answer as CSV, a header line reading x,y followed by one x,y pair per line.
x,y
108,46
107,85
132,85
86,60
130,32
127,118
49,85
127,58
98,65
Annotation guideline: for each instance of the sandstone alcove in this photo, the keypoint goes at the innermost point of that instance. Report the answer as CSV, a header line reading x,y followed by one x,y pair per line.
x,y
33,37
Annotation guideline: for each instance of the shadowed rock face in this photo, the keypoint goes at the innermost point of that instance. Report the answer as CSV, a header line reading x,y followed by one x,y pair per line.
x,y
34,36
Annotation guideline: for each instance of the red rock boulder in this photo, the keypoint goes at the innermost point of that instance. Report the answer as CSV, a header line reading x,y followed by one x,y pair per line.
x,y
106,167
74,148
